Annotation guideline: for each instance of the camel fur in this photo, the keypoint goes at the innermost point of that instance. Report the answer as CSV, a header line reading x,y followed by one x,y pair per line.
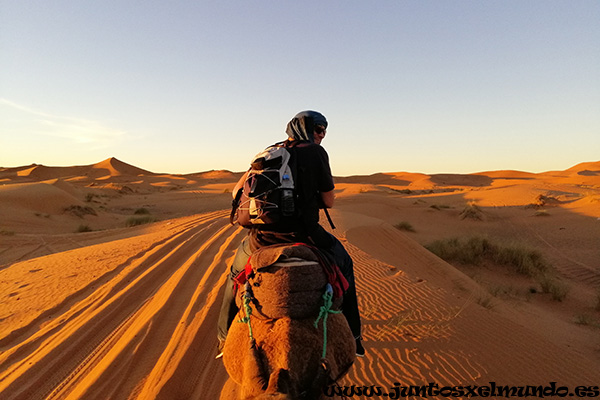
x,y
284,361
287,281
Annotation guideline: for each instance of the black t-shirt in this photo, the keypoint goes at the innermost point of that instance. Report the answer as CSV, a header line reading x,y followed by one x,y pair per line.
x,y
312,177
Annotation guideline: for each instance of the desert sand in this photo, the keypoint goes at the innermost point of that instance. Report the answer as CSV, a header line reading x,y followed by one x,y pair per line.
x,y
111,276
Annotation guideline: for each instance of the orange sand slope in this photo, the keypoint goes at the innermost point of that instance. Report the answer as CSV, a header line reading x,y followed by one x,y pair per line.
x,y
130,312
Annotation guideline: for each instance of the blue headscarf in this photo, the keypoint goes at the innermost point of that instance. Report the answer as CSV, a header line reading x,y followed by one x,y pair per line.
x,y
302,126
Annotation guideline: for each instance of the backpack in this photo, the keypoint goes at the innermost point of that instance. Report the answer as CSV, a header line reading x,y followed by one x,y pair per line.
x,y
268,193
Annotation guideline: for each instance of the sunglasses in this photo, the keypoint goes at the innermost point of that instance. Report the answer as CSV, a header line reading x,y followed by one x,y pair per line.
x,y
320,129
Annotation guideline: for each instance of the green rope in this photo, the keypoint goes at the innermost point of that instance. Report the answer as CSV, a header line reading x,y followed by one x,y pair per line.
x,y
325,310
247,299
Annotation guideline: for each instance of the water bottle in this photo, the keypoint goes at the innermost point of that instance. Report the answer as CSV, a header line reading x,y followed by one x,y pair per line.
x,y
287,202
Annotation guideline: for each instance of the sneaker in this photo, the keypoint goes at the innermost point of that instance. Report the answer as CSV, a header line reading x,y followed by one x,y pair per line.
x,y
220,347
360,350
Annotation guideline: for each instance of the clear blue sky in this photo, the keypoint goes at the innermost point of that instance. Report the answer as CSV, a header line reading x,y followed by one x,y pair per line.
x,y
188,86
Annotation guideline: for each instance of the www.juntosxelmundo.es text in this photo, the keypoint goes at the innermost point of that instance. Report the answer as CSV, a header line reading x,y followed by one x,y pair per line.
x,y
398,391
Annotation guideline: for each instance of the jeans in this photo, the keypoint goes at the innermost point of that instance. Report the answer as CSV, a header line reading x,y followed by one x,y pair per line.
x,y
343,261
228,308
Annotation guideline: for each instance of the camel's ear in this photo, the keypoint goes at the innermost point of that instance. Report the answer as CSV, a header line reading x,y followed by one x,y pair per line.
x,y
280,382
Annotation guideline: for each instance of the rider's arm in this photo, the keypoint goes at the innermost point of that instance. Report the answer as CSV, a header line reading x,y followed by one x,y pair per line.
x,y
328,198
325,182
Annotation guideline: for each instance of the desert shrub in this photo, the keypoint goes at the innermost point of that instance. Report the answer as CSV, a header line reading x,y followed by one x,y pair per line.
x,y
471,211
543,201
134,221
403,191
469,251
7,233
585,319
83,228
557,289
486,302
141,211
526,261
476,249
438,206
80,211
404,226
89,197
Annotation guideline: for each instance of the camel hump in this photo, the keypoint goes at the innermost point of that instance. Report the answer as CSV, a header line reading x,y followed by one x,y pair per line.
x,y
291,286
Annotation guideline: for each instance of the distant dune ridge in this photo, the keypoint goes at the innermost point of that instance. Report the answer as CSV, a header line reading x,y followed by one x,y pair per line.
x,y
111,277
108,167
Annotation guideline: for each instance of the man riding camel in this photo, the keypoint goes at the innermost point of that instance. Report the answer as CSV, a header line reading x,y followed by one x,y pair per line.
x,y
314,188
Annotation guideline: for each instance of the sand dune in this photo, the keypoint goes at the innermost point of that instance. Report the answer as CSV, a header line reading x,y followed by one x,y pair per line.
x,y
586,168
130,312
108,167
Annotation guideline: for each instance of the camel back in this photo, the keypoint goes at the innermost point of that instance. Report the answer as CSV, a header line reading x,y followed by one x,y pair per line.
x,y
287,281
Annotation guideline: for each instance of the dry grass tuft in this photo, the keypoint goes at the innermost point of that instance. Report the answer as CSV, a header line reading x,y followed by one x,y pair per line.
x,y
476,249
80,211
479,250
586,320
543,201
134,221
557,289
486,302
83,228
405,226
472,211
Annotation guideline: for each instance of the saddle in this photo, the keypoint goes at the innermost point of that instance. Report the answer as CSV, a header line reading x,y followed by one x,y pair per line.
x,y
288,280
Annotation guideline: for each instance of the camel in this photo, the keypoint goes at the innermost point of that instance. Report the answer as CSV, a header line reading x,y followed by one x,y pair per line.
x,y
279,354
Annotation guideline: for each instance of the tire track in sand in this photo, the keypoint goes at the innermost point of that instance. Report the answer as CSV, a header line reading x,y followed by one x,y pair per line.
x,y
138,326
132,266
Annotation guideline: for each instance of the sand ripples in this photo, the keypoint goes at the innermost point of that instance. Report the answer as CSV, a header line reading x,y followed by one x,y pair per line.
x,y
405,325
397,307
